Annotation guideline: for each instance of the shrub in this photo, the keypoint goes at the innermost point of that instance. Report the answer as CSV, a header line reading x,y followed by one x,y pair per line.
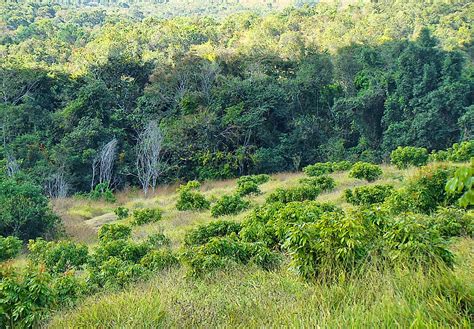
x,y
221,252
440,155
58,257
367,195
427,188
145,216
190,199
247,185
255,227
229,205
102,191
121,212
25,299
203,233
334,242
462,183
158,240
297,193
24,210
452,222
116,273
318,169
341,166
365,170
403,157
248,188
411,239
461,152
324,183
9,247
111,232
157,260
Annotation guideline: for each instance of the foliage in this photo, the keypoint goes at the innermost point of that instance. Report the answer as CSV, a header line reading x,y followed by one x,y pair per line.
x,y
324,183
367,195
25,299
10,247
157,260
297,193
158,240
102,191
341,165
334,242
145,216
367,171
461,152
247,185
25,212
318,169
121,212
203,233
221,252
462,182
229,205
402,157
411,239
58,257
112,232
451,222
190,199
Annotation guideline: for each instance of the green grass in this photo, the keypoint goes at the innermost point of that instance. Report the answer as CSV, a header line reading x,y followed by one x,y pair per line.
x,y
249,297
246,296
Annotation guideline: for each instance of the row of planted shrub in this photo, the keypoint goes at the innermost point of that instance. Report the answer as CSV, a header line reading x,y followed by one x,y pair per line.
x,y
409,225
59,273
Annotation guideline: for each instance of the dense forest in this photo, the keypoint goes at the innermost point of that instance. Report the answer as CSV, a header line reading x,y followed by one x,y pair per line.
x,y
243,94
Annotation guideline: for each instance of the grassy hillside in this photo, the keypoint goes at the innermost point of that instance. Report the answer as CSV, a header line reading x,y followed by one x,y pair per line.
x,y
247,296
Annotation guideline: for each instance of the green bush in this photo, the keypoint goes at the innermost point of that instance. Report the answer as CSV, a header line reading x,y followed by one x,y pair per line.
x,y
332,243
411,239
24,210
461,152
318,169
221,252
203,233
157,260
229,205
145,216
461,184
452,222
248,188
324,183
341,166
121,212
111,232
190,199
441,155
406,156
367,195
255,227
25,300
10,247
158,240
102,191
247,185
58,257
115,273
297,193
365,170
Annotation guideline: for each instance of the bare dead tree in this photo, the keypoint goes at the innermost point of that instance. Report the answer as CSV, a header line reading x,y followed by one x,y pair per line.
x,y
207,78
56,186
12,165
103,163
149,156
